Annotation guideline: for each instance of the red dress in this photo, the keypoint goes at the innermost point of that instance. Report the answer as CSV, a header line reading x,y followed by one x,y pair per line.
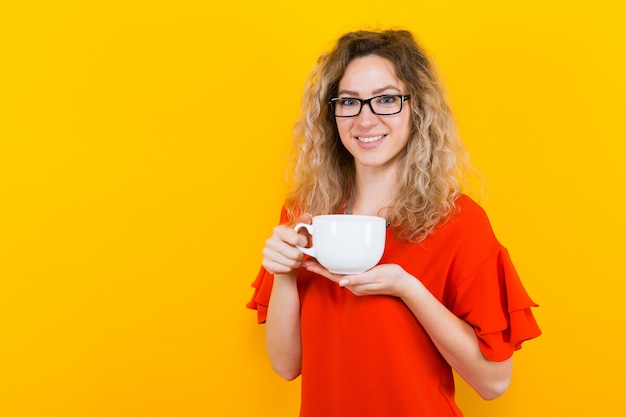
x,y
369,356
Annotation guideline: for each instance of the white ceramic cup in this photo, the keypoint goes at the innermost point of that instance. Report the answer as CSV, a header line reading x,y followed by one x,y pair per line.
x,y
346,243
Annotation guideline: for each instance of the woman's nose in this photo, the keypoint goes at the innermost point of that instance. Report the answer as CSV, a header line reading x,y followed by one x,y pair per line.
x,y
367,117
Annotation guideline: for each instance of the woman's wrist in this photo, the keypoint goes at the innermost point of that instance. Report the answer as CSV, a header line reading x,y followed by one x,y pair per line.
x,y
411,289
286,280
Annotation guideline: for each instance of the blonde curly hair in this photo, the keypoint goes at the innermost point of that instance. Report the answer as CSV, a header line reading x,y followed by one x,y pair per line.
x,y
434,165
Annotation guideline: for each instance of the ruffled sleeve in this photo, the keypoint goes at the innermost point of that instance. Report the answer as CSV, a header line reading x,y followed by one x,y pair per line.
x,y
493,300
263,285
262,291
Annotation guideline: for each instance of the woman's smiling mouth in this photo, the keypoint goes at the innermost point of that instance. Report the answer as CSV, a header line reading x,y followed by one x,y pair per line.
x,y
369,139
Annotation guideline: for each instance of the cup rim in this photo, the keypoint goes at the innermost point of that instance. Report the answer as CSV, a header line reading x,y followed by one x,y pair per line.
x,y
350,218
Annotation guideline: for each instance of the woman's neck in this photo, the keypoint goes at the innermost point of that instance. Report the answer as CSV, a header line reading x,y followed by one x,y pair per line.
x,y
373,192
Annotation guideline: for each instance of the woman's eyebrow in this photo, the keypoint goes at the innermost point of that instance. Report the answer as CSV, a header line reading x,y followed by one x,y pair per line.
x,y
348,93
377,91
388,87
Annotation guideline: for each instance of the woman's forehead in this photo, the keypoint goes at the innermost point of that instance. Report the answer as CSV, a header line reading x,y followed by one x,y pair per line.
x,y
370,74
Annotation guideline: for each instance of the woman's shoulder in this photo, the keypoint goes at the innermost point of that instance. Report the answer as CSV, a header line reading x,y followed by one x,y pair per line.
x,y
467,221
468,211
465,203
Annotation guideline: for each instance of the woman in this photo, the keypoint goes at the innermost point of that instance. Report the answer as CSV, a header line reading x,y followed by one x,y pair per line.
x,y
376,137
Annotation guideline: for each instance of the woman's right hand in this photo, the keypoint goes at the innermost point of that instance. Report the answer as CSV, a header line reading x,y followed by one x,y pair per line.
x,y
280,255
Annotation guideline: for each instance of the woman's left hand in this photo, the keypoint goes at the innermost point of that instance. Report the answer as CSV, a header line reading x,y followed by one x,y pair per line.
x,y
386,279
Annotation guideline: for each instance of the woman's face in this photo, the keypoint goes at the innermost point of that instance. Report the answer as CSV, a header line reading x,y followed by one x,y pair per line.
x,y
374,141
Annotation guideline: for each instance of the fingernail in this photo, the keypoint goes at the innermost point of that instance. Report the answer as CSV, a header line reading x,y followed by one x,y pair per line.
x,y
343,282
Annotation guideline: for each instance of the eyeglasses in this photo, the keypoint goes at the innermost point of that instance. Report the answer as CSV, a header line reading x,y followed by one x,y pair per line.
x,y
381,105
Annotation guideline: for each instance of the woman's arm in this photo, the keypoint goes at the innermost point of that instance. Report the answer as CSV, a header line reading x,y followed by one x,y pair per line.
x,y
454,338
282,331
457,342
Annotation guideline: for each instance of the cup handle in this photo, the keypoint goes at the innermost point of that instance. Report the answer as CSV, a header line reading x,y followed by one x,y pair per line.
x,y
309,227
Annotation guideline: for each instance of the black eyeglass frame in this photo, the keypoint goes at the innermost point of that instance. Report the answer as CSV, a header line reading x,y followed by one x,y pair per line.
x,y
368,101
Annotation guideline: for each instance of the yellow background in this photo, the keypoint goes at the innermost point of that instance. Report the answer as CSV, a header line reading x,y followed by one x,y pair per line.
x,y
142,149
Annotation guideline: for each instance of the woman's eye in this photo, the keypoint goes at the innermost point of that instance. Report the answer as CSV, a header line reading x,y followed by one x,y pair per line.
x,y
387,99
346,102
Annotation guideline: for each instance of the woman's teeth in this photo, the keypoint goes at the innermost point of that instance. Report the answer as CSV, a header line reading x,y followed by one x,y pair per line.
x,y
370,139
